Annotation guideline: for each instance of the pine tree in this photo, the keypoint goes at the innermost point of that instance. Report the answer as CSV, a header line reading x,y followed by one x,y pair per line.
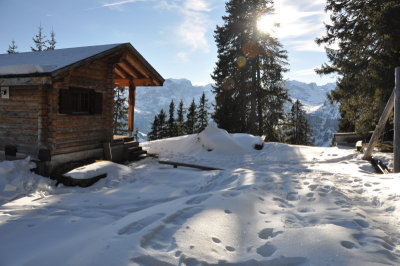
x,y
120,110
180,120
172,127
154,133
191,119
202,113
368,37
248,75
162,125
39,41
52,42
12,48
298,130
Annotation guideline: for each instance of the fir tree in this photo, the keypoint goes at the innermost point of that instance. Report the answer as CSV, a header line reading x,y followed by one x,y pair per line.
x,y
52,42
248,75
120,111
39,41
162,125
180,120
298,129
202,113
368,37
172,127
191,119
154,133
12,48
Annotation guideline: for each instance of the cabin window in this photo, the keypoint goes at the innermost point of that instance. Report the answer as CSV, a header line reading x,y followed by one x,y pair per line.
x,y
80,101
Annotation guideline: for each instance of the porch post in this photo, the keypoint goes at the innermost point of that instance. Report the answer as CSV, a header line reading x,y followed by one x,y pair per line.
x,y
396,138
131,117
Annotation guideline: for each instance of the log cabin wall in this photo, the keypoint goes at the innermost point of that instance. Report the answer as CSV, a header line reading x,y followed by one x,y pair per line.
x,y
19,119
71,132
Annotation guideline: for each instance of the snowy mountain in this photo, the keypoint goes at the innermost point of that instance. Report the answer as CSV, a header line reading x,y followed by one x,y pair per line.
x,y
150,100
322,115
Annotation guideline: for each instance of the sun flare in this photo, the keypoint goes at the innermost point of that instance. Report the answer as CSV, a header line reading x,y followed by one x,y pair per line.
x,y
267,23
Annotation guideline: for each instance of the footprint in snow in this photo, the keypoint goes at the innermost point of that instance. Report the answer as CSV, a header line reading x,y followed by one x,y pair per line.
x,y
292,196
216,240
266,250
361,223
229,248
268,233
198,199
312,187
347,244
228,211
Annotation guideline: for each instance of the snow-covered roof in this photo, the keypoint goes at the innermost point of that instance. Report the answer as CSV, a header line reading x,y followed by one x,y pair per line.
x,y
47,61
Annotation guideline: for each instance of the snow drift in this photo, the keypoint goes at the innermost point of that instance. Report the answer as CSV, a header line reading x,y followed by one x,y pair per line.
x,y
282,205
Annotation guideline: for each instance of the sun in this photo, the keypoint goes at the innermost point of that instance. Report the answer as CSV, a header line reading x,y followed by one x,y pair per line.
x,y
267,23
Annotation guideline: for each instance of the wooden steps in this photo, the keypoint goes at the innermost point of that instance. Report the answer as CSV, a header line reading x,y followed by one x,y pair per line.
x,y
131,149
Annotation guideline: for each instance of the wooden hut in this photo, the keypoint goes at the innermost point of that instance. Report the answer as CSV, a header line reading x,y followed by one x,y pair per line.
x,y
57,106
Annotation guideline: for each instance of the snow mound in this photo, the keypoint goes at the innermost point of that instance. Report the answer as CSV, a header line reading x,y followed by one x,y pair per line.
x,y
16,179
213,138
98,168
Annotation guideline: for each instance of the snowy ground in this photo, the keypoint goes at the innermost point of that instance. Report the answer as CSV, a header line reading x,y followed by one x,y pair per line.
x,y
283,205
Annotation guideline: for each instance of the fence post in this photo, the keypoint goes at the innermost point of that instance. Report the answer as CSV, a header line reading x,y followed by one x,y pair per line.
x,y
396,137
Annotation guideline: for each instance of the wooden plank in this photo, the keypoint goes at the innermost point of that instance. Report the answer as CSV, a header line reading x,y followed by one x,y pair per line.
x,y
142,82
396,141
25,81
98,129
176,164
138,66
379,127
128,68
121,72
16,139
22,132
75,149
17,121
122,82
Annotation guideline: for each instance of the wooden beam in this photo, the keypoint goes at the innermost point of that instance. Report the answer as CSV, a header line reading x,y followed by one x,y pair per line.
x,y
379,127
122,82
119,73
131,116
25,81
396,140
143,82
125,82
128,68
138,66
176,164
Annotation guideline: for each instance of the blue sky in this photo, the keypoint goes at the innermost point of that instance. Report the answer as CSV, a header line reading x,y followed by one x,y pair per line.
x,y
175,36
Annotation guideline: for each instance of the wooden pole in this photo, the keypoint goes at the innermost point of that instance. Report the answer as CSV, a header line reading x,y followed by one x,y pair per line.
x,y
379,127
396,138
131,116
